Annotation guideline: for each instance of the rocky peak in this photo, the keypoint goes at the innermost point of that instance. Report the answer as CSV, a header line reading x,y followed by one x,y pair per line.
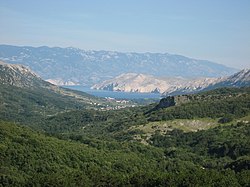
x,y
239,79
243,75
131,82
19,75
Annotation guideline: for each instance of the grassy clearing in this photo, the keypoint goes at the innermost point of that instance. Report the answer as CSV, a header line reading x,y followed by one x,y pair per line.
x,y
163,127
246,118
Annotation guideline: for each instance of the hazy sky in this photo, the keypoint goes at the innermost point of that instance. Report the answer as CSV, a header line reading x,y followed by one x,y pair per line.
x,y
216,30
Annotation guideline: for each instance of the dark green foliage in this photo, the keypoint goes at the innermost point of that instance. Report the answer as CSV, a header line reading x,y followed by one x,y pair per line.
x,y
223,142
102,124
96,148
227,105
115,124
226,119
36,159
55,113
28,158
32,105
242,163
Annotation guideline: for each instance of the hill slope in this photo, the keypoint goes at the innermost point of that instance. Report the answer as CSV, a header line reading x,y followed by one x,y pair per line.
x,y
84,147
24,97
76,66
239,79
28,158
20,76
222,105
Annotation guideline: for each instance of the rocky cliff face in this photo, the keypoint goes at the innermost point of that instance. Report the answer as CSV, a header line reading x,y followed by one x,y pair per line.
x,y
19,75
239,79
132,82
61,82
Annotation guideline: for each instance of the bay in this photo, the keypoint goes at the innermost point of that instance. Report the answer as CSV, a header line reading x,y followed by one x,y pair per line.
x,y
116,95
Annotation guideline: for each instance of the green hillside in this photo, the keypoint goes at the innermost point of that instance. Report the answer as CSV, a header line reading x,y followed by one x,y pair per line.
x,y
27,99
25,105
28,158
74,139
224,102
208,109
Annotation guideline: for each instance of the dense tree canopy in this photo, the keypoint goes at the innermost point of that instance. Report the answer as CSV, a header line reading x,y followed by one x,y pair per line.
x,y
31,158
83,147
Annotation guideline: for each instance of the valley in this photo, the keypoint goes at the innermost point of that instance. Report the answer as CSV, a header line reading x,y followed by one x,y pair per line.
x,y
56,136
125,93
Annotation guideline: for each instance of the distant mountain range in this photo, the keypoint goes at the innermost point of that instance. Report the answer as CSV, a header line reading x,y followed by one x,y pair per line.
x,y
132,82
71,66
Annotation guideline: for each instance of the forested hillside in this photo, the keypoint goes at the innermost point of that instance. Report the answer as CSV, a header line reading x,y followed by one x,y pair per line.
x,y
221,106
95,94
29,158
69,144
27,99
224,102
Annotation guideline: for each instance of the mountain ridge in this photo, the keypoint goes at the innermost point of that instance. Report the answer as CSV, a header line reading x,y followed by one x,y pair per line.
x,y
239,79
88,67
132,82
25,97
20,76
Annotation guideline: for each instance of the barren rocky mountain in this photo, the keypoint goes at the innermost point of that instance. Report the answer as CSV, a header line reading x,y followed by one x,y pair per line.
x,y
19,75
132,82
87,67
239,79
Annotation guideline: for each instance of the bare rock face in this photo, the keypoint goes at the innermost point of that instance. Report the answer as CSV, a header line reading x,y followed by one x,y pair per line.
x,y
61,82
239,79
132,82
19,75
166,102
170,101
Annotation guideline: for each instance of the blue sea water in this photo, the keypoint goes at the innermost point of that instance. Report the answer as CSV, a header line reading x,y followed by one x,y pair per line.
x,y
116,95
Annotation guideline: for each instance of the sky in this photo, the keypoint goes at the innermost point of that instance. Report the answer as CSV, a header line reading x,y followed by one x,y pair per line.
x,y
215,30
